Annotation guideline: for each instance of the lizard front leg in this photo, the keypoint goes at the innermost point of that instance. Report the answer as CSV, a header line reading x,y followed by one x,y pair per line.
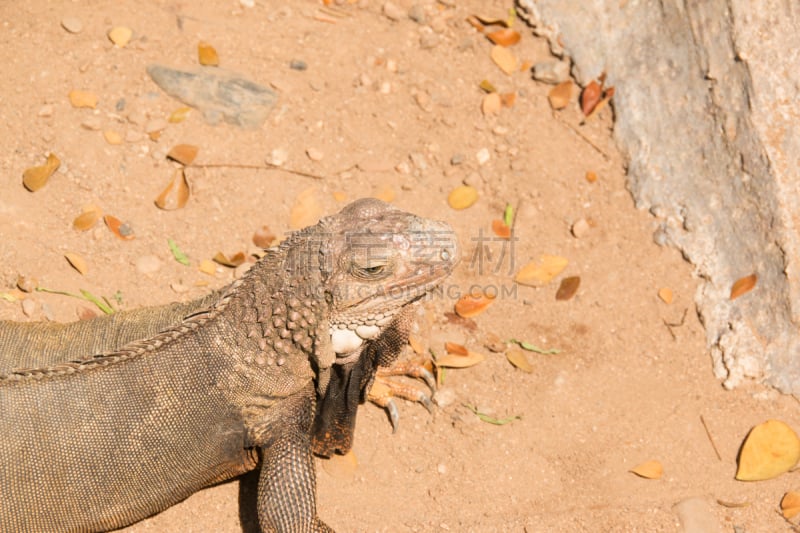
x,y
287,484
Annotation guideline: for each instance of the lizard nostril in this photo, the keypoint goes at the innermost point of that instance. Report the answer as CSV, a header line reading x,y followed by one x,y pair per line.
x,y
445,254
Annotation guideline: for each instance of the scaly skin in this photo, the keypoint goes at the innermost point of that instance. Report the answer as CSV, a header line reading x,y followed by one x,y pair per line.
x,y
272,368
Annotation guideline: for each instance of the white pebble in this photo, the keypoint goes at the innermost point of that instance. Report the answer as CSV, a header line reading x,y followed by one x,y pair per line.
x,y
483,156
28,307
580,228
315,154
72,24
393,11
148,264
278,157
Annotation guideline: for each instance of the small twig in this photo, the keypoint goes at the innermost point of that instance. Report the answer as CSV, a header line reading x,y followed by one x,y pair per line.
x,y
671,325
265,166
710,438
580,134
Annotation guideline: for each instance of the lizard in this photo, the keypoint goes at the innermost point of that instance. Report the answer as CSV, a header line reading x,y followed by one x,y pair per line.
x,y
270,371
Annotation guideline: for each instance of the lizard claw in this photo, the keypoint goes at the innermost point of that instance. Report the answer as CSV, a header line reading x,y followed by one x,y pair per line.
x,y
383,390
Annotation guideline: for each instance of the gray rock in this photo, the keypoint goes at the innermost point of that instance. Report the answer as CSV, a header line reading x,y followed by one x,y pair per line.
x,y
551,71
696,517
219,94
705,107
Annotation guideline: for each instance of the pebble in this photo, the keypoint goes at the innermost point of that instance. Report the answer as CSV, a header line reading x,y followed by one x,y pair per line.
x,y
392,11
553,72
441,468
580,228
120,105
483,156
155,124
385,88
46,111
148,264
418,159
137,117
72,24
696,516
417,14
428,41
457,159
248,3
444,397
298,64
133,136
92,123
28,307
278,157
375,163
314,154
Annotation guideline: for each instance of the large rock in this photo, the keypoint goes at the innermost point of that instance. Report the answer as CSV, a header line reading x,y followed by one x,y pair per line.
x,y
706,107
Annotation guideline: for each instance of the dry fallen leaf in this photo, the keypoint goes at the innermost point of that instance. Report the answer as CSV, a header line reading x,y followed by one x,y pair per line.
x,y
263,237
649,470
77,262
790,505
452,360
560,95
183,153
769,450
492,104
462,197
505,59
519,360
112,137
417,345
548,267
233,261
123,231
455,348
175,194
179,115
341,466
83,99
508,99
568,288
120,36
306,209
590,96
504,37
599,107
207,266
339,196
207,55
473,304
35,178
665,293
86,220
385,194
743,285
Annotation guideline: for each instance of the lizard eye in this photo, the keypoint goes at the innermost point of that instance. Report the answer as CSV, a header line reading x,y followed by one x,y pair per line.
x,y
370,271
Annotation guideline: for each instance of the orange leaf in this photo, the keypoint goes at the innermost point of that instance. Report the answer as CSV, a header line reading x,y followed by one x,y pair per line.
x,y
508,99
665,293
473,304
77,262
501,229
504,37
83,99
743,285
560,95
35,178
590,96
591,177
460,361
233,261
183,153
123,231
207,55
790,505
175,194
649,470
457,349
568,288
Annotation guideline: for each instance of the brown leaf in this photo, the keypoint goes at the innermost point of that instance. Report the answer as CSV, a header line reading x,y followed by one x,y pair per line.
x,y
548,267
508,99
263,237
519,360
491,104
473,304
452,360
590,96
233,261
176,193
207,55
462,197
487,87
560,95
649,470
123,231
87,219
790,505
82,99
743,285
505,59
456,349
77,262
665,293
599,107
504,37
183,153
501,229
35,178
770,449
306,210
568,288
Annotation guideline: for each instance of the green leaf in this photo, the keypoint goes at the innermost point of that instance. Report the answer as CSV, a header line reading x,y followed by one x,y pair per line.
x,y
177,253
8,297
490,419
533,348
508,215
103,306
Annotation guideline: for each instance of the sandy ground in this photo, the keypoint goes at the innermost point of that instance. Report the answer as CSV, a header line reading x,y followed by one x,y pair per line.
x,y
383,108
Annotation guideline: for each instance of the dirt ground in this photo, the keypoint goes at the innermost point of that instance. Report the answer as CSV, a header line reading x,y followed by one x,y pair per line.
x,y
391,108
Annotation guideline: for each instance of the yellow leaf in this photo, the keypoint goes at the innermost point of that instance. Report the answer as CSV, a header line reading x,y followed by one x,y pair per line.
x,y
77,262
306,209
83,99
207,267
790,505
649,470
462,197
112,137
183,153
179,115
87,219
120,36
519,360
542,272
35,178
665,293
505,59
341,466
769,450
175,194
452,360
207,55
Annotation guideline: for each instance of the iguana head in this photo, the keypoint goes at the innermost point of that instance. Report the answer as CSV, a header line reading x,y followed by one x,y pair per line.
x,y
376,261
